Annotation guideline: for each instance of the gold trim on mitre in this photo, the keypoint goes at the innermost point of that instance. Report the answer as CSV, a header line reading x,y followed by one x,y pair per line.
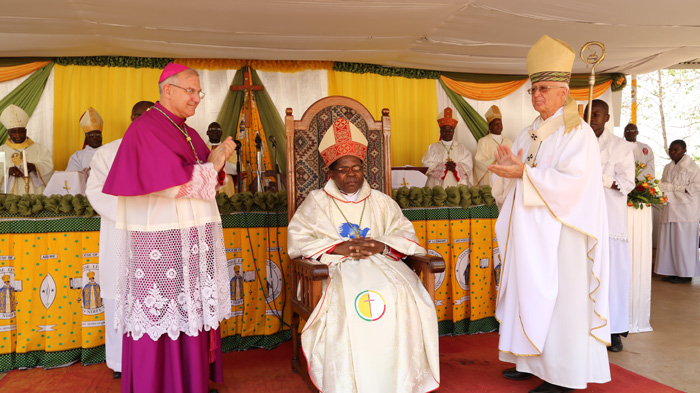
x,y
445,118
14,117
551,59
493,113
91,121
342,139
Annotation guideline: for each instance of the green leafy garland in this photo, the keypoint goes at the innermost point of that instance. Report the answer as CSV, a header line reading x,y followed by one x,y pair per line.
x,y
462,196
362,68
34,205
78,205
115,61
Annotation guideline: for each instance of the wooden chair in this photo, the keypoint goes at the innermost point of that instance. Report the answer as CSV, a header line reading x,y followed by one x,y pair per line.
x,y
306,172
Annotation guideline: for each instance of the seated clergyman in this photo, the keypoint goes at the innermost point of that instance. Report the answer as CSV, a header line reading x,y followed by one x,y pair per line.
x,y
375,328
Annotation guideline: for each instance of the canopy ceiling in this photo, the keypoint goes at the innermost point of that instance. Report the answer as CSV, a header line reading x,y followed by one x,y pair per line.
x,y
480,36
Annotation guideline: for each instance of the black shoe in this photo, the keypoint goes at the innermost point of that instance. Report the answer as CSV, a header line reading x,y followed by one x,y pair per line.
x,y
669,278
116,375
615,343
550,388
515,375
681,280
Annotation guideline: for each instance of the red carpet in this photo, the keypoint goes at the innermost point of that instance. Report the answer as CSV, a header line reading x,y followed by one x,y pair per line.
x,y
467,364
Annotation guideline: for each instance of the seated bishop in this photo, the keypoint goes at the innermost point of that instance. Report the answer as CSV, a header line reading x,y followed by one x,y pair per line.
x,y
449,162
23,156
92,125
375,327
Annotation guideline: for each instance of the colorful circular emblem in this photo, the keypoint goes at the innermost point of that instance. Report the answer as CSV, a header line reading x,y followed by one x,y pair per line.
x,y
645,151
370,305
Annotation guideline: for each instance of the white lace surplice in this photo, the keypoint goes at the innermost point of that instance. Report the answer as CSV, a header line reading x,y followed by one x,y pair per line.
x,y
171,261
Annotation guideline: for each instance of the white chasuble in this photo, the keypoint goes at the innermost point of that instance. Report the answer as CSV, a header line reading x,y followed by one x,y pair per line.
x,y
485,150
563,175
38,155
375,327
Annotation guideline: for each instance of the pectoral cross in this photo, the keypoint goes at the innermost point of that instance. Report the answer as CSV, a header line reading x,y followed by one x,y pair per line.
x,y
247,88
66,186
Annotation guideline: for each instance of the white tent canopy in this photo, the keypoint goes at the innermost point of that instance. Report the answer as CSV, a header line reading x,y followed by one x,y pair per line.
x,y
480,36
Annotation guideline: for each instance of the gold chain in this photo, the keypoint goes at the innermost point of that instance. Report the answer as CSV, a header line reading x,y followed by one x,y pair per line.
x,y
184,132
357,233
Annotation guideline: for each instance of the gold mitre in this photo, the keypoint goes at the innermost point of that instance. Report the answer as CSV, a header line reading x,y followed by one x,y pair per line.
x,y
5,278
91,275
342,139
550,59
493,113
14,117
91,121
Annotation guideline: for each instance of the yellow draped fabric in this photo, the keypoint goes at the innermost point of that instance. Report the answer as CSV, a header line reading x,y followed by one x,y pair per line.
x,y
582,94
483,91
496,91
18,71
412,106
249,153
112,91
260,65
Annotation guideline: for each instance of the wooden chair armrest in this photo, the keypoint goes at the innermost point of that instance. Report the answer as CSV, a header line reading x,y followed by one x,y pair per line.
x,y
430,263
315,270
426,266
307,276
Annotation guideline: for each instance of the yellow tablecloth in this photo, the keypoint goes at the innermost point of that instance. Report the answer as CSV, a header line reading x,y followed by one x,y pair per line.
x,y
49,261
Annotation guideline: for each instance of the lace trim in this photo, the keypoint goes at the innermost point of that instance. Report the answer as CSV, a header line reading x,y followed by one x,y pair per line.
x,y
202,185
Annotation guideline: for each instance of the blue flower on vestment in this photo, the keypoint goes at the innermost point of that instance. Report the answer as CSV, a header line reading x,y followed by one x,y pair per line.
x,y
347,231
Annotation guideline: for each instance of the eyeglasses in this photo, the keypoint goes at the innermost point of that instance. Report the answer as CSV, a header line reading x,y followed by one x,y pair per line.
x,y
190,91
542,89
345,169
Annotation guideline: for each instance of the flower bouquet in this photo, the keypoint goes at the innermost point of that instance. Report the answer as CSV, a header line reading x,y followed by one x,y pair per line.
x,y
646,191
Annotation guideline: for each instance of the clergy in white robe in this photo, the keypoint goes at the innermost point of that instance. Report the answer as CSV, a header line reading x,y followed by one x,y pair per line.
x,y
617,159
642,152
23,155
486,147
449,162
214,133
553,237
677,253
106,206
92,124
375,327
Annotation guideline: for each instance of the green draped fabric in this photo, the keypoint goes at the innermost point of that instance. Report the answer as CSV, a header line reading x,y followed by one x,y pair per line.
x,y
26,95
15,61
271,121
477,124
577,80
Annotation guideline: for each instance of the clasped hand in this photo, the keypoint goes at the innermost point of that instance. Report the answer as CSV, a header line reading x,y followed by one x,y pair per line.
x,y
16,172
359,248
222,153
507,165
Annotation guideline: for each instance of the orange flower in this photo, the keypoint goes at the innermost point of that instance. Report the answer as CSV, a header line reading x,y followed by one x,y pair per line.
x,y
652,191
645,185
642,165
648,176
648,204
630,203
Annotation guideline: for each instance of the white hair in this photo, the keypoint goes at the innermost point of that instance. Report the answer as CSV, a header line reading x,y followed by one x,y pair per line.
x,y
175,79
